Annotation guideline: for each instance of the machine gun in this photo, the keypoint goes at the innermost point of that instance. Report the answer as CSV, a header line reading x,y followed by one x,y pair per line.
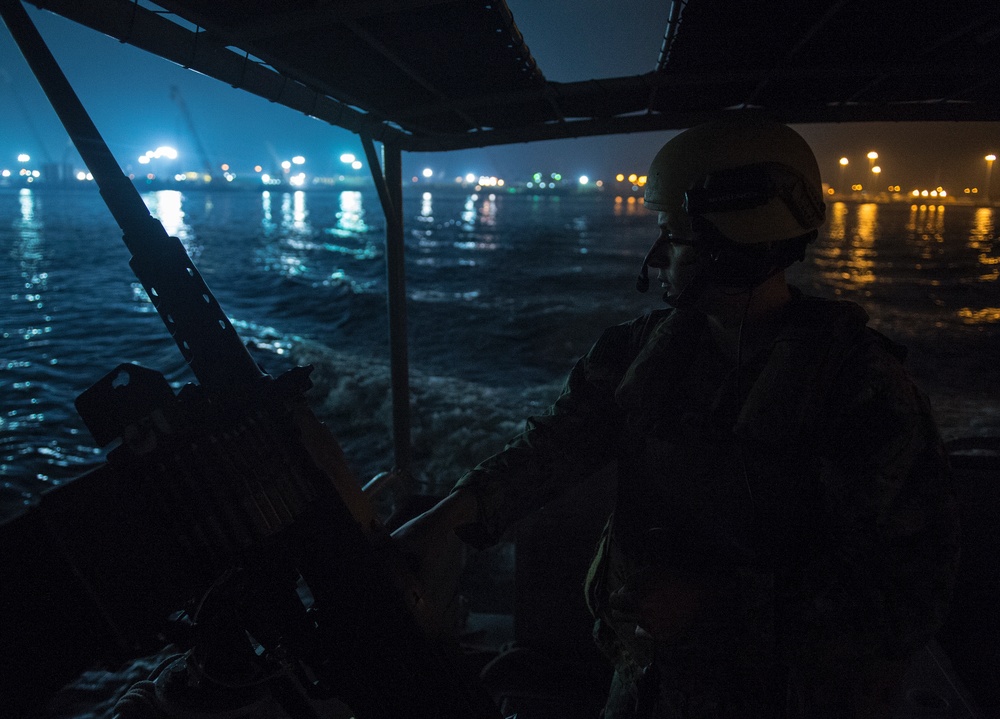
x,y
227,507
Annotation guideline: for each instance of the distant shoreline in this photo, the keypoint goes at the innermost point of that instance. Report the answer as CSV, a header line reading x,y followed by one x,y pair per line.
x,y
368,186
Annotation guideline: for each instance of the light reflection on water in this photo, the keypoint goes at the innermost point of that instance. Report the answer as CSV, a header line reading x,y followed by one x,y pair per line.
x,y
847,261
32,352
980,239
469,213
426,208
926,223
836,222
986,315
294,214
857,253
296,234
488,211
628,206
267,220
31,323
470,231
301,248
862,248
982,229
351,217
166,206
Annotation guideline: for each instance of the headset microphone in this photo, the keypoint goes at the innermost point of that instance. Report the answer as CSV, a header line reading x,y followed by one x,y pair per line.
x,y
690,291
642,281
693,289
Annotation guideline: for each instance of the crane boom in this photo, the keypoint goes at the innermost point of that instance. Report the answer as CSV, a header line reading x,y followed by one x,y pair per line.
x,y
175,95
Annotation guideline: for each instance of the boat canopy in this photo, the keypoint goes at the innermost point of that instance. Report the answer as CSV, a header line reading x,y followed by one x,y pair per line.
x,y
434,75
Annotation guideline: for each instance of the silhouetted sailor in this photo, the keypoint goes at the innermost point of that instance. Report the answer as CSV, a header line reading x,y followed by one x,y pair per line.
x,y
784,536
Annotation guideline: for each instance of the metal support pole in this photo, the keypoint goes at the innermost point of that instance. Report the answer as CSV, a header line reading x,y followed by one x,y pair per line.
x,y
389,184
396,281
378,177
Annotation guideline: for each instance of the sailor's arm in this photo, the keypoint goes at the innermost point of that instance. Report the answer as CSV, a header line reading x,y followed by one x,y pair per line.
x,y
566,445
558,450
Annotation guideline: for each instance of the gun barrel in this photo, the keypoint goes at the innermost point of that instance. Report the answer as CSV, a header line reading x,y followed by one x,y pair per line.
x,y
203,333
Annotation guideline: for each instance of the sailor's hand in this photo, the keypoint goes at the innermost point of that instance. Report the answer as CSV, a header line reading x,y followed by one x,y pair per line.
x,y
660,604
428,540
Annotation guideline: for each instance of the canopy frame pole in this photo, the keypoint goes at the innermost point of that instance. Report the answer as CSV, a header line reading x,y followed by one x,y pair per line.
x,y
387,173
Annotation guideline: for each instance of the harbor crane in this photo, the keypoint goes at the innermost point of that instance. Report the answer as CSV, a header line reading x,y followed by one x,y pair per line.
x,y
175,95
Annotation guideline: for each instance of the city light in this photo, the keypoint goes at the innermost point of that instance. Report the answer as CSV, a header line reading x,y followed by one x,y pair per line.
x,y
161,151
938,192
844,178
989,175
349,159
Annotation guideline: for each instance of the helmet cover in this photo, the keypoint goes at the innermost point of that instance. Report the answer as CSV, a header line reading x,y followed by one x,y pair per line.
x,y
754,180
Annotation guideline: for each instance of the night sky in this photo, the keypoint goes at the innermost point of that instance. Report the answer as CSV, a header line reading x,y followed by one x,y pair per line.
x,y
127,92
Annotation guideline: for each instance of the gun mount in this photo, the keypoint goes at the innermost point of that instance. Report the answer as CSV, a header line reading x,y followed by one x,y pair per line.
x,y
228,506
219,524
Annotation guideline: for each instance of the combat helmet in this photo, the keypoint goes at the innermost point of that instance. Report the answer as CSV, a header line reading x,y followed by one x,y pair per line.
x,y
754,180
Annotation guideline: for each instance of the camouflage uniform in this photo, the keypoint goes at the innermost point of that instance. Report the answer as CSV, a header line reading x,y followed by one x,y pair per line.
x,y
805,496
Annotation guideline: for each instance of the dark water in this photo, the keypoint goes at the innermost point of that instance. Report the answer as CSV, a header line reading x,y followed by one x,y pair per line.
x,y
505,291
